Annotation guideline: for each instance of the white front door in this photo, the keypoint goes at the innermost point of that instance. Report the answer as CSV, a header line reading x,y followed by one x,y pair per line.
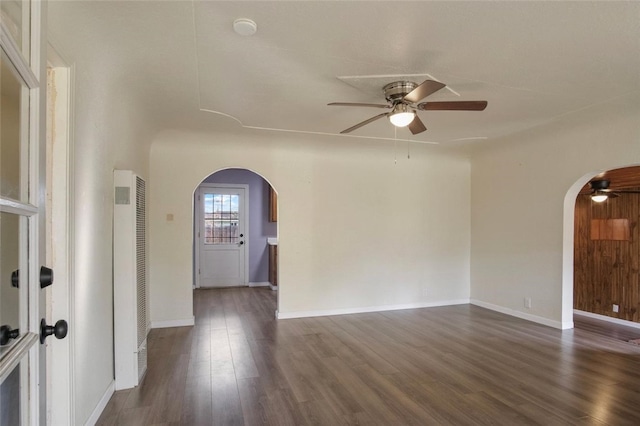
x,y
22,214
223,236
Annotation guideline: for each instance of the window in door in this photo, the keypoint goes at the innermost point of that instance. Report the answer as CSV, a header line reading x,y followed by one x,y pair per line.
x,y
221,217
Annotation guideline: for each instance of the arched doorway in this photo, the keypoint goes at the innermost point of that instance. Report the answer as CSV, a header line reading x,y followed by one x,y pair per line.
x,y
602,248
235,232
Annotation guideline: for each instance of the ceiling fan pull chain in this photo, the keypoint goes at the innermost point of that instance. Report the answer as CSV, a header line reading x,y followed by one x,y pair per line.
x,y
395,145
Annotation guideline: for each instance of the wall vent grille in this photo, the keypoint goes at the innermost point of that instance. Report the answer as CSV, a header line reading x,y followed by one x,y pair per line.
x,y
141,259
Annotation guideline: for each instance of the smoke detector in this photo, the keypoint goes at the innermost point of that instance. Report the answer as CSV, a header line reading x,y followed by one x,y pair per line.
x,y
245,27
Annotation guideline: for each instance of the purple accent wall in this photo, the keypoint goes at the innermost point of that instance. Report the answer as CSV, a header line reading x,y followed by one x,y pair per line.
x,y
259,226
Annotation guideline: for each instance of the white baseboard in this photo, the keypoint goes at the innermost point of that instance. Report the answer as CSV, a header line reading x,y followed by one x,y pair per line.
x,y
173,323
93,418
608,319
362,310
260,284
523,315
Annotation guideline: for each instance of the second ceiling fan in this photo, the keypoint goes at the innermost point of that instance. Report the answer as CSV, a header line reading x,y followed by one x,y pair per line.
x,y
402,97
600,191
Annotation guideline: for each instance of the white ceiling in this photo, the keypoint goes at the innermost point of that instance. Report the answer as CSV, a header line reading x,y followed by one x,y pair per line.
x,y
532,61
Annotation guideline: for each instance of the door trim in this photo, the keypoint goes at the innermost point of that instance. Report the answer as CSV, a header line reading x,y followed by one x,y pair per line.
x,y
198,218
60,354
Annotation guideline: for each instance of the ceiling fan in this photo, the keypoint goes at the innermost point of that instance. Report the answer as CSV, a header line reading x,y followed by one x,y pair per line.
x,y
402,97
600,191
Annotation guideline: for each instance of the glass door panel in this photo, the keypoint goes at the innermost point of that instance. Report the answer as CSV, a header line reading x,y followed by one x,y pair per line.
x,y
12,297
15,18
12,129
10,398
221,216
14,389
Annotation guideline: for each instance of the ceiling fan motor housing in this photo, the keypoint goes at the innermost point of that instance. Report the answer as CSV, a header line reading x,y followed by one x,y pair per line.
x,y
396,91
599,185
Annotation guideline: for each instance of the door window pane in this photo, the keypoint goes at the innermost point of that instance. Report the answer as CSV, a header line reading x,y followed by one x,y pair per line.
x,y
10,279
14,394
221,215
15,17
10,392
11,94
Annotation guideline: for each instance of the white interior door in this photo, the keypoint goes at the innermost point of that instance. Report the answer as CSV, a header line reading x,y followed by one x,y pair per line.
x,y
223,236
22,214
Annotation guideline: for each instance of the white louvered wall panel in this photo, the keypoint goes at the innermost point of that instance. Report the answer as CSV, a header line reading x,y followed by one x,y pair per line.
x,y
130,292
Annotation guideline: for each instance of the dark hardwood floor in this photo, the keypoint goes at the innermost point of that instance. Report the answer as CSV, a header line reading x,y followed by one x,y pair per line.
x,y
458,365
605,328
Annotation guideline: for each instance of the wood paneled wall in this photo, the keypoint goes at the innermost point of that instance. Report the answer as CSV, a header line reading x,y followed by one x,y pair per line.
x,y
606,271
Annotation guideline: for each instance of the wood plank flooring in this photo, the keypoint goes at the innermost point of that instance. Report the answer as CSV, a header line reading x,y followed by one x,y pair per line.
x,y
457,365
605,328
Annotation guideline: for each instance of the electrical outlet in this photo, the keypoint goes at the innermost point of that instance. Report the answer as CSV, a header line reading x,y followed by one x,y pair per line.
x,y
527,302
616,308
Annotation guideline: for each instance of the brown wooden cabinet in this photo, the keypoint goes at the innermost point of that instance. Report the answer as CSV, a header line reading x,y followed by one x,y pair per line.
x,y
273,205
273,265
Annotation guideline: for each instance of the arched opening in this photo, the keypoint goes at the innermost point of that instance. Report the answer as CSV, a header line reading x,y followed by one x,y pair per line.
x,y
601,250
235,232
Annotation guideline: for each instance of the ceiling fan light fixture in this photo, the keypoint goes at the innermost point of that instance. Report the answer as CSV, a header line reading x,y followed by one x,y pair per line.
x,y
401,116
599,197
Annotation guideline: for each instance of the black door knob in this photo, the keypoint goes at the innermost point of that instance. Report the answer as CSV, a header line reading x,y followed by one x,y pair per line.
x,y
15,278
241,242
46,276
6,334
59,330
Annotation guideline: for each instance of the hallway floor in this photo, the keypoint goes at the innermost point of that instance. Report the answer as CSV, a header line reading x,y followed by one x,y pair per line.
x,y
606,328
460,365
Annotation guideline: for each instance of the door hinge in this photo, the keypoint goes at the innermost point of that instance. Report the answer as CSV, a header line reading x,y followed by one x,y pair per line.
x,y
198,271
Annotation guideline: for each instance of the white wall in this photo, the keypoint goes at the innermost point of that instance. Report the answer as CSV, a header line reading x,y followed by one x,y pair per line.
x,y
356,230
109,131
106,138
517,206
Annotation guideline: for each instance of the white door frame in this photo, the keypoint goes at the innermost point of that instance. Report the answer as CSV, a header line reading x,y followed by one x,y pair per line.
x,y
198,219
60,356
